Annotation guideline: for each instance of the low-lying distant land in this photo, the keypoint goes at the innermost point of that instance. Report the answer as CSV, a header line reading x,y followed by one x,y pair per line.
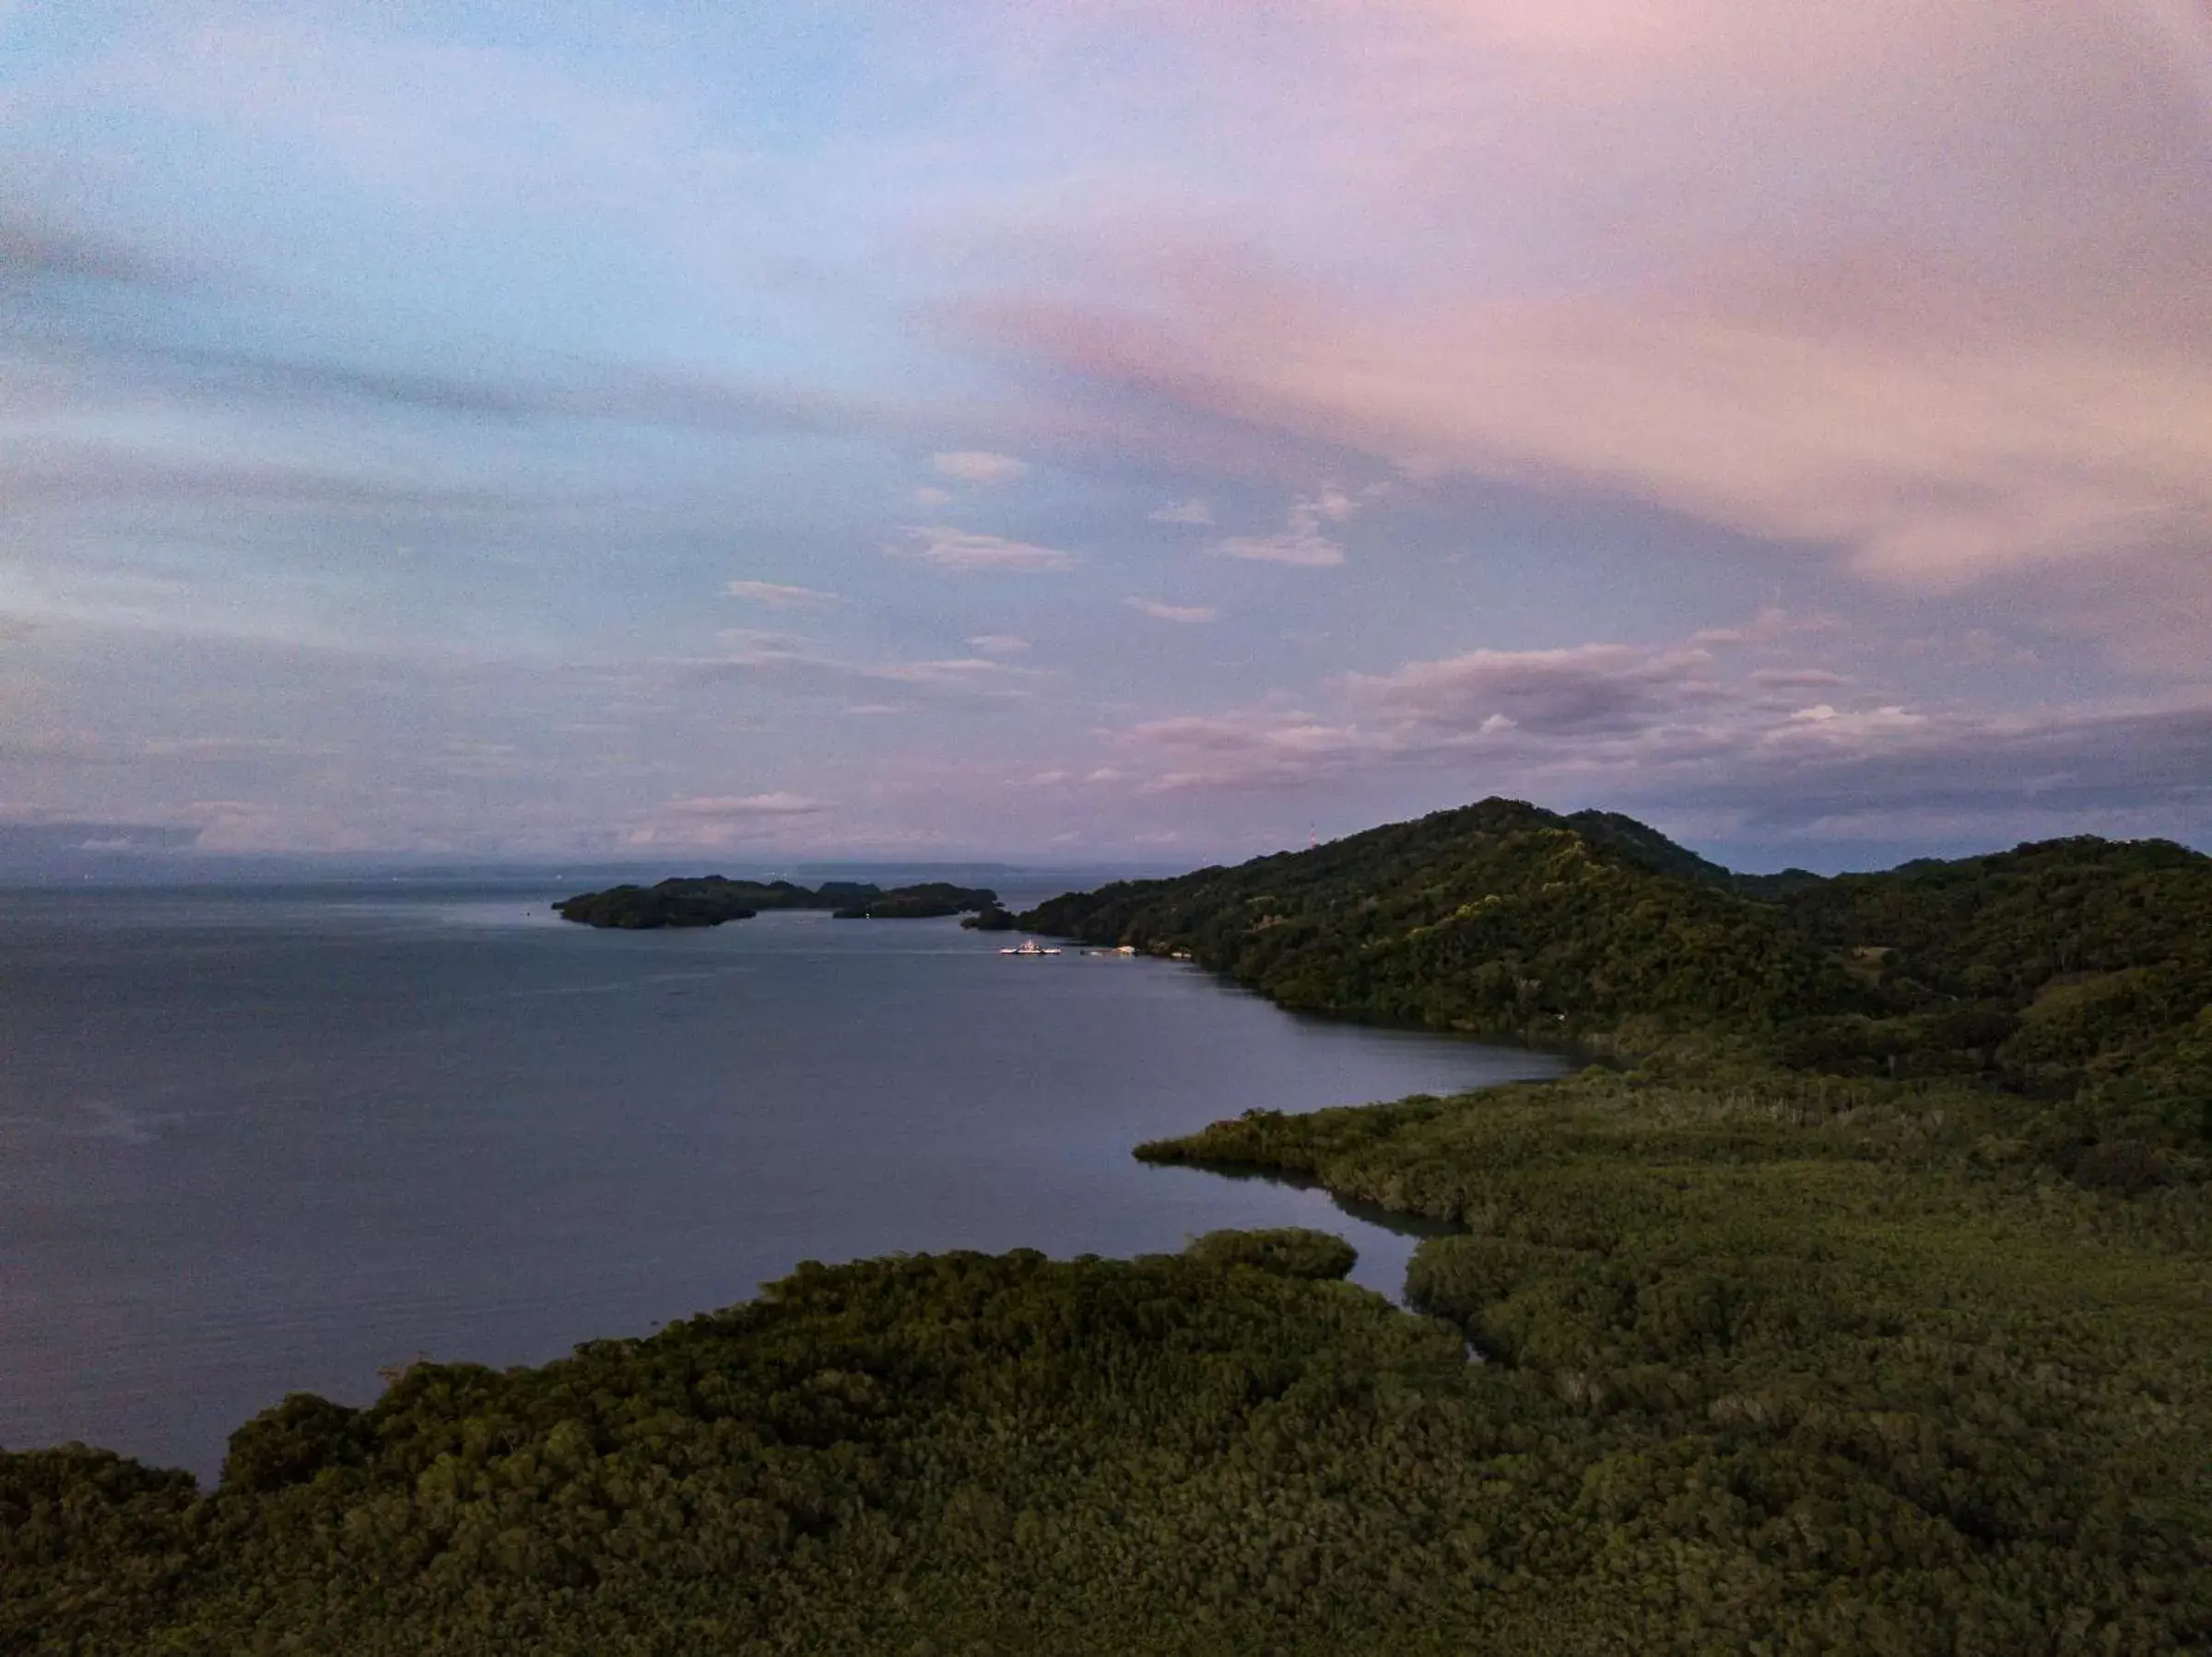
x,y
712,900
1856,1302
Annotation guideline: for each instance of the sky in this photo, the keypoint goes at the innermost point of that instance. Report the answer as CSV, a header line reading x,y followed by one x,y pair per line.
x,y
1093,430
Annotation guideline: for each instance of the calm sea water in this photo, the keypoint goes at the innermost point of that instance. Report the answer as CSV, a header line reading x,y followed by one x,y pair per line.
x,y
257,1142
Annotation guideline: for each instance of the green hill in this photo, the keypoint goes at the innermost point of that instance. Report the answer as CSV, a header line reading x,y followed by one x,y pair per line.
x,y
1645,846
1497,919
2074,973
2059,968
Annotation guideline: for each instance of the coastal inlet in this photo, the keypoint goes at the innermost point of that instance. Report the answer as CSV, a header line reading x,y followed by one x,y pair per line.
x,y
294,1136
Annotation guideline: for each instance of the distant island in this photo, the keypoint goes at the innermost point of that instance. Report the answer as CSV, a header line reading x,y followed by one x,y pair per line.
x,y
1856,1303
924,903
712,900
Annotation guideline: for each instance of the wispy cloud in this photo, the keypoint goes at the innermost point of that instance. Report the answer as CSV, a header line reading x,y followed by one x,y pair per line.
x,y
980,467
1852,329
953,671
775,596
1164,612
718,821
1585,689
966,550
60,474
998,644
1932,464
778,804
1796,678
514,391
1193,510
963,681
1626,724
1302,541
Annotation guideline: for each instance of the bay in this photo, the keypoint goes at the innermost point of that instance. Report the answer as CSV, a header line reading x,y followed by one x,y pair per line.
x,y
259,1141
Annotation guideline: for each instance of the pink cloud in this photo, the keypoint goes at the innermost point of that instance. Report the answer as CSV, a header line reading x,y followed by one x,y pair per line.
x,y
1920,285
1930,466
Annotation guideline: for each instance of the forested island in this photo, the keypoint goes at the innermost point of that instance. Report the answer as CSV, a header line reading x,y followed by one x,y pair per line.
x,y
1856,1301
927,901
712,900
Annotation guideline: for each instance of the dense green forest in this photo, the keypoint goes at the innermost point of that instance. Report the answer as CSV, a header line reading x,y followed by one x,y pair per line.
x,y
1916,1425
711,900
1860,1300
923,902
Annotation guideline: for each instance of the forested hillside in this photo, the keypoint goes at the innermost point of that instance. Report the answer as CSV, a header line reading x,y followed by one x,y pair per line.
x,y
1499,919
2075,974
2074,967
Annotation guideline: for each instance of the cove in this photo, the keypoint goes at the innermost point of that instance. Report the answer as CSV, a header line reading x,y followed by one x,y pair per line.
x,y
255,1142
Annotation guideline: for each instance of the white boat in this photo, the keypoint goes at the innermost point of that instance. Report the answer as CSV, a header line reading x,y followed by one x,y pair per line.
x,y
1028,946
